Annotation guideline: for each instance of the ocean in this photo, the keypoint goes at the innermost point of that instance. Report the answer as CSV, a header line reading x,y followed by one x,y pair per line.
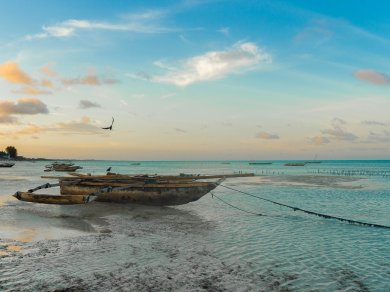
x,y
209,244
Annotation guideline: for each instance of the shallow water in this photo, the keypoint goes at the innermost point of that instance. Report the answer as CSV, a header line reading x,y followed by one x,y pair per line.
x,y
205,245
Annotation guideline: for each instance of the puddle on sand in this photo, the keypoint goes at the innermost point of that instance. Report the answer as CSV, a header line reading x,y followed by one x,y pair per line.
x,y
15,248
6,248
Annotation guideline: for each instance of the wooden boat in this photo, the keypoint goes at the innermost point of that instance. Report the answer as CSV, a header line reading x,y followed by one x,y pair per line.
x,y
148,190
143,193
7,164
64,167
295,164
138,189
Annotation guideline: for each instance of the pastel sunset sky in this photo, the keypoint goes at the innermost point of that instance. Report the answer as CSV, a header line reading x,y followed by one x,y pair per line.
x,y
192,80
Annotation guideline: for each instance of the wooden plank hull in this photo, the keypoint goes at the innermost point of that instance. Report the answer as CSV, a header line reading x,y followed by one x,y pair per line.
x,y
148,194
54,199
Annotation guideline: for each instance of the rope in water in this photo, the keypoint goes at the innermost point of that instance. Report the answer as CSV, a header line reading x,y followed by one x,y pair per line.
x,y
309,212
249,212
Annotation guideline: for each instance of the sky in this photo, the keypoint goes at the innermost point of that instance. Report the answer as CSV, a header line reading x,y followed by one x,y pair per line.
x,y
195,80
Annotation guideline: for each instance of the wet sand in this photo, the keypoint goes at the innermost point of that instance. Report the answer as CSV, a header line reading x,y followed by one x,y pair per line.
x,y
112,247
122,248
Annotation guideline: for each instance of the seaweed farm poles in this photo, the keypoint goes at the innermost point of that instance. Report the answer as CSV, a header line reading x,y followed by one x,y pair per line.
x,y
353,172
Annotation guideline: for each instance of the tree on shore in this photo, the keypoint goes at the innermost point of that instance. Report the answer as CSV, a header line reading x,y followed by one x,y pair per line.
x,y
12,152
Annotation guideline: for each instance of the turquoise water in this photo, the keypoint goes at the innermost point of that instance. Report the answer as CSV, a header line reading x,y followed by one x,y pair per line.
x,y
291,250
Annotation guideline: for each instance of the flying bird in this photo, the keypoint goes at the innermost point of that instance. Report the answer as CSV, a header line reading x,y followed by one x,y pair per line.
x,y
110,127
108,169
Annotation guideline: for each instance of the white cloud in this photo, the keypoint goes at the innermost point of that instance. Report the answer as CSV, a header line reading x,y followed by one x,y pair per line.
x,y
59,31
144,22
215,65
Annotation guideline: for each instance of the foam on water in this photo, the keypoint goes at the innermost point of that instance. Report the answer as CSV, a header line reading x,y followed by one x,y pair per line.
x,y
205,243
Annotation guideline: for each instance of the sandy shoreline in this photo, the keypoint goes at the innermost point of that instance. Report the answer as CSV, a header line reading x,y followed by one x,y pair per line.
x,y
136,249
113,247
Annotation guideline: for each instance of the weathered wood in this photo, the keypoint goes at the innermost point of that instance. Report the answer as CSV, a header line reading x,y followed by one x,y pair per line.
x,y
148,194
55,199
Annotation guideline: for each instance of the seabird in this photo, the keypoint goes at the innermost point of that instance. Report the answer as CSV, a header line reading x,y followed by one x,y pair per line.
x,y
108,169
110,127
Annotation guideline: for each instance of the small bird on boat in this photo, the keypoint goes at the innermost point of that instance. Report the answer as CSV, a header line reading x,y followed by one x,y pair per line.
x,y
108,169
110,127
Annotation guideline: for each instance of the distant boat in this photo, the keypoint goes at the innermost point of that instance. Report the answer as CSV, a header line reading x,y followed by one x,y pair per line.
x,y
260,163
225,162
65,167
7,164
295,164
135,163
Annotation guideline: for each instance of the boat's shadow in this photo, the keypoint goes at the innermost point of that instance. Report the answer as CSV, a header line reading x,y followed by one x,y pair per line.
x,y
97,216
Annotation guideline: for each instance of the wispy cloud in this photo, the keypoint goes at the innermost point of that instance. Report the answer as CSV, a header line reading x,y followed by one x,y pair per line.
x,y
267,136
48,70
46,83
384,136
11,72
319,140
31,90
89,79
144,22
84,126
318,32
85,104
212,65
180,130
374,123
338,131
8,119
26,130
224,30
372,77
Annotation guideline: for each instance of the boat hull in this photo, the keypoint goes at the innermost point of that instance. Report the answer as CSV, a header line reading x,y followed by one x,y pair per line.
x,y
153,194
54,199
7,164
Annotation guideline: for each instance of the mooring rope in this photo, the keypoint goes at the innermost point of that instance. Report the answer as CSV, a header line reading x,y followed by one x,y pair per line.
x,y
235,207
309,212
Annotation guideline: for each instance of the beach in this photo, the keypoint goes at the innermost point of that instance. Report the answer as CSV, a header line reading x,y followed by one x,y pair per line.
x,y
204,245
